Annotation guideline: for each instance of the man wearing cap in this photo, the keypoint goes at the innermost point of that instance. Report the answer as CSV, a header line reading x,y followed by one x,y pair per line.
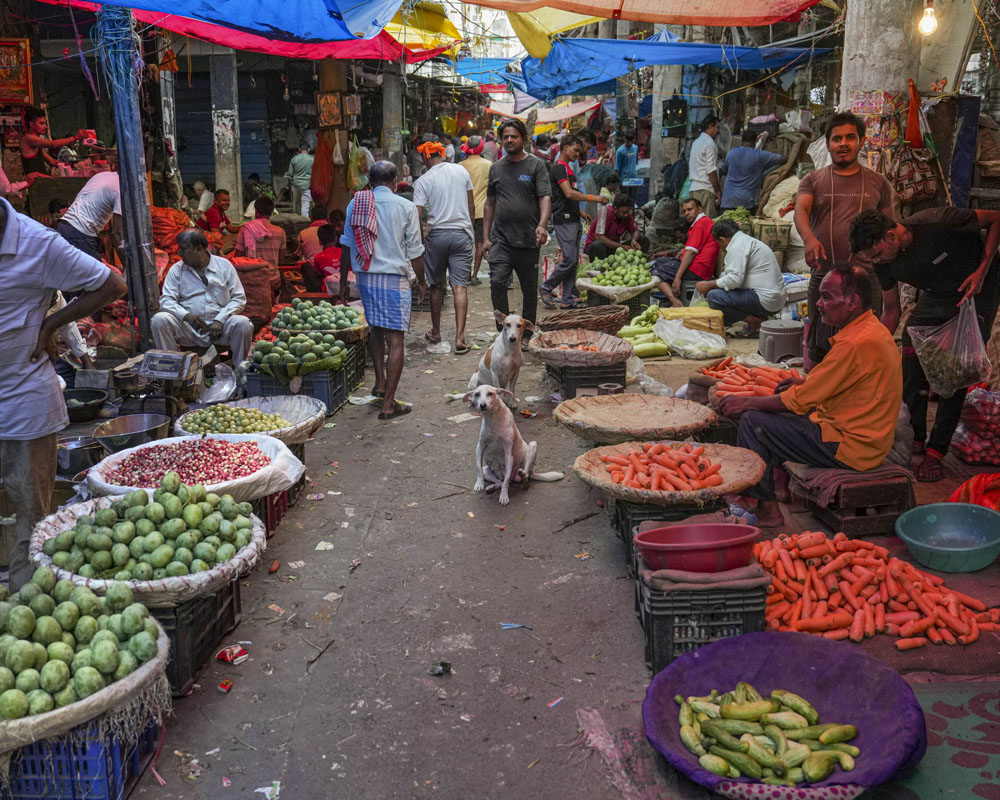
x,y
479,170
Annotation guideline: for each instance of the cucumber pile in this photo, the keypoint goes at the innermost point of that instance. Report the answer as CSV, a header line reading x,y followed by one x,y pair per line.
x,y
61,643
183,530
778,740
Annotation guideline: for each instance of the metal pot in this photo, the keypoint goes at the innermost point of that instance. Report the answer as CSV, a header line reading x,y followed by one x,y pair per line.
x,y
92,401
77,453
131,430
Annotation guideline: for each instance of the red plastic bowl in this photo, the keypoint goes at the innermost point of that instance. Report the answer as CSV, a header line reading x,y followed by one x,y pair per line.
x,y
698,548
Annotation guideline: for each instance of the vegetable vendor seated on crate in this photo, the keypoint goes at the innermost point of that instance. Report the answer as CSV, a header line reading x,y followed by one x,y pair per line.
x,y
699,255
750,287
614,229
201,300
843,414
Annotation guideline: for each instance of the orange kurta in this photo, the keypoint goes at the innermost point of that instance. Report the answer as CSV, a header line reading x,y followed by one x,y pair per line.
x,y
856,391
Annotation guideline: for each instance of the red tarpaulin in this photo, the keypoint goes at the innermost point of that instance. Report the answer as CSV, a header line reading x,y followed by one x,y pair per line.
x,y
382,46
675,12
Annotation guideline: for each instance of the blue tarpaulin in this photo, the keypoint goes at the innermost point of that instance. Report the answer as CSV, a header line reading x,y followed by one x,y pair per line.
x,y
289,20
489,71
577,64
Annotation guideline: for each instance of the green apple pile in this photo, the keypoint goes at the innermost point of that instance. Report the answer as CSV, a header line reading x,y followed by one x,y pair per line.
x,y
304,315
60,643
622,268
183,530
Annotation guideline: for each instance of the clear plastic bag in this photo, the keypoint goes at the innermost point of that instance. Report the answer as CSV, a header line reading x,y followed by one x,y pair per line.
x,y
952,355
981,413
688,343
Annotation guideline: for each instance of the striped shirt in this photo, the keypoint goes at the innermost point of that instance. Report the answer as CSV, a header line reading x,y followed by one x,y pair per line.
x,y
35,262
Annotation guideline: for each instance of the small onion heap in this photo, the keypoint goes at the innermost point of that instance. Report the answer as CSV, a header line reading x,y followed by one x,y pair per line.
x,y
230,419
206,461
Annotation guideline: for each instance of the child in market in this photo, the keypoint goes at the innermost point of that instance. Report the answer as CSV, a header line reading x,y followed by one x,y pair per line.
x,y
327,265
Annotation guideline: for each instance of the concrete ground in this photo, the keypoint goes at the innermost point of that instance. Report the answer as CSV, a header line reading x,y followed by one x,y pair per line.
x,y
336,700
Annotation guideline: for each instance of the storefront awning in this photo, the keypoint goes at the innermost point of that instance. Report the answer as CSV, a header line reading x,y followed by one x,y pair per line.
x,y
536,28
423,26
546,114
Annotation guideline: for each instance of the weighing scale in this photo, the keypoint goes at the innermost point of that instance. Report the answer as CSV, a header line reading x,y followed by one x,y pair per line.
x,y
180,373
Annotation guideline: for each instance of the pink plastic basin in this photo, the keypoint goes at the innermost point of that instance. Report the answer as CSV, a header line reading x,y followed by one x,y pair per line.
x,y
713,547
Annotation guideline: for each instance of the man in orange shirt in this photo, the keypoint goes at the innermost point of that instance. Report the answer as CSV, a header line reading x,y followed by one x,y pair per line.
x,y
843,415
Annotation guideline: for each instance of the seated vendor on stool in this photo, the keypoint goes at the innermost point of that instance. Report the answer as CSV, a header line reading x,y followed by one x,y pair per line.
x,y
612,231
843,414
750,287
201,300
698,256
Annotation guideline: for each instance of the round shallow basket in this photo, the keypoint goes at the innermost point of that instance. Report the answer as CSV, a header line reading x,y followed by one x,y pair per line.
x,y
557,348
306,415
616,418
740,470
610,319
891,730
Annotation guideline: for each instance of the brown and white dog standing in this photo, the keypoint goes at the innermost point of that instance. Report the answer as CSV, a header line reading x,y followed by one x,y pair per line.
x,y
502,455
501,363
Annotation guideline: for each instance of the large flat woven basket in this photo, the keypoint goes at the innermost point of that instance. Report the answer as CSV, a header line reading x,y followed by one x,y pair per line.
x,y
741,469
558,348
616,418
609,319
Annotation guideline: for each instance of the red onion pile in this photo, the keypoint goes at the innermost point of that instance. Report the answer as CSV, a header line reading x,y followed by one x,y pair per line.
x,y
205,461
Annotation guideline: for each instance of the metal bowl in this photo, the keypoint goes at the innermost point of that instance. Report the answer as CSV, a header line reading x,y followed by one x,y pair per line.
x,y
92,399
951,537
131,430
77,453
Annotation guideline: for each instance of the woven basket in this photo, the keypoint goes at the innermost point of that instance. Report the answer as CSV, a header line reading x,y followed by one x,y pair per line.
x,y
616,418
609,319
741,469
306,415
554,348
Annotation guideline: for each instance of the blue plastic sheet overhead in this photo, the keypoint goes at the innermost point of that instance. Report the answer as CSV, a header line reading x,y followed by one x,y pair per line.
x,y
289,20
488,71
577,64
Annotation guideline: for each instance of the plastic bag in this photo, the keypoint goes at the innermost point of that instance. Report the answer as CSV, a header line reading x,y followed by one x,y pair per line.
x,y
647,384
981,413
617,294
688,343
698,300
975,449
952,355
902,445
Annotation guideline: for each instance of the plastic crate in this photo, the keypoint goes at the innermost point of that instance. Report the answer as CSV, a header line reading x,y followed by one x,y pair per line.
x,y
721,432
299,451
196,628
626,517
325,385
271,509
636,305
81,768
675,623
353,367
572,379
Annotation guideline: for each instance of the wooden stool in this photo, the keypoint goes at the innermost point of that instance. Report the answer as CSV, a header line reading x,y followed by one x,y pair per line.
x,y
858,509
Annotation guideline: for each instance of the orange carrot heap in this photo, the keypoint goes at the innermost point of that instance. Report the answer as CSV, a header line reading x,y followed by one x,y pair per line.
x,y
747,381
661,467
843,588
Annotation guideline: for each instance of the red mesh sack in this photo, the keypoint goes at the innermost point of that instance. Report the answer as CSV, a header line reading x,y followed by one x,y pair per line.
x,y
256,282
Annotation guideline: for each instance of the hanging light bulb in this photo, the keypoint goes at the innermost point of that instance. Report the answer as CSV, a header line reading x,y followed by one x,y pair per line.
x,y
928,22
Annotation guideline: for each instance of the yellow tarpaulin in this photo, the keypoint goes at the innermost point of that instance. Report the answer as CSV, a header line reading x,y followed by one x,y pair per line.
x,y
536,28
425,26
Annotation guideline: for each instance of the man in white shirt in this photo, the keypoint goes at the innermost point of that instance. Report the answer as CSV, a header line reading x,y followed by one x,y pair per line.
x,y
98,203
204,196
750,286
35,263
703,167
201,300
446,191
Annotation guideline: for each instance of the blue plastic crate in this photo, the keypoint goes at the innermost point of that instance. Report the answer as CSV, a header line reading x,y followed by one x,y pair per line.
x,y
324,385
354,366
81,770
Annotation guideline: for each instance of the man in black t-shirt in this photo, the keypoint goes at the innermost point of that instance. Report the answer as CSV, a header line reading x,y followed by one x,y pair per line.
x,y
566,221
941,252
517,210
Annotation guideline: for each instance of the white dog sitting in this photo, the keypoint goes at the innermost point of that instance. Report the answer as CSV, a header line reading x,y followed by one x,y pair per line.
x,y
501,363
501,454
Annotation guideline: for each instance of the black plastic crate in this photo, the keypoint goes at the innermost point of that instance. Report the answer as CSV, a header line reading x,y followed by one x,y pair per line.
x,y
675,623
325,385
271,509
626,517
721,432
636,304
196,629
572,379
354,366
299,451
80,767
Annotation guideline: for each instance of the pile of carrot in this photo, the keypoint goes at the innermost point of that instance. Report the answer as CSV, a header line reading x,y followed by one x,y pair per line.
x,y
589,348
843,588
747,381
661,467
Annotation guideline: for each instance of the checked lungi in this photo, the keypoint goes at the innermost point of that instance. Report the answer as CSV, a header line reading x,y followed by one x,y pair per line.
x,y
387,299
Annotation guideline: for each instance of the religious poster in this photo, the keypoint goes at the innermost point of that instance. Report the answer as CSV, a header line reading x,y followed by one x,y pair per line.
x,y
15,72
328,113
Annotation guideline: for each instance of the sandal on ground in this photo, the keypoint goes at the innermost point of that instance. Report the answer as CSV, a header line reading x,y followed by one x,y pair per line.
x,y
461,349
547,300
399,411
571,303
931,470
475,281
430,337
379,393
